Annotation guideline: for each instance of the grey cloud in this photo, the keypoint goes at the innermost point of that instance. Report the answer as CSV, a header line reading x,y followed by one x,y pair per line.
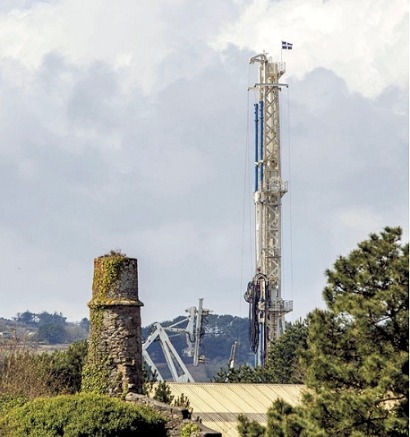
x,y
348,153
161,176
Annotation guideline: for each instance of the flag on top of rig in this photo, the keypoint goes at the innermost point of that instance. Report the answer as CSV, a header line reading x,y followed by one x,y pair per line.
x,y
286,45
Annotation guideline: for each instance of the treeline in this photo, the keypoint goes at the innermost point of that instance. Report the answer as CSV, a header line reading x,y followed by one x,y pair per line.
x,y
44,327
221,331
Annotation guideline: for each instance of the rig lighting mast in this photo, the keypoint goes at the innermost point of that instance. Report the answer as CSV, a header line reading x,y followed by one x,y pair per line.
x,y
267,309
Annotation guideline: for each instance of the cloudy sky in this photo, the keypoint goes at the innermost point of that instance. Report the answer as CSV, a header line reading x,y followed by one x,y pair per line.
x,y
128,125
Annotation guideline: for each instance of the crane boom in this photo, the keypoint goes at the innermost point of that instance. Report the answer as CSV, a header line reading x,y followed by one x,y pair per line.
x,y
267,308
178,370
194,332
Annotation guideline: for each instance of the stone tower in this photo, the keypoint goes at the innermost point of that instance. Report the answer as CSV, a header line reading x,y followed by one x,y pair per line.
x,y
114,361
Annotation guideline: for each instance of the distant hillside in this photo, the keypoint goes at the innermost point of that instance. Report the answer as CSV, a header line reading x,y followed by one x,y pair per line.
x,y
42,328
221,331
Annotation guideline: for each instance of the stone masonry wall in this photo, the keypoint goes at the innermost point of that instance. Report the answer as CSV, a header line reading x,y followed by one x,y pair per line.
x,y
177,417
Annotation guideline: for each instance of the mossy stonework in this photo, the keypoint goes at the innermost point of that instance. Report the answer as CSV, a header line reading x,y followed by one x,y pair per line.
x,y
114,361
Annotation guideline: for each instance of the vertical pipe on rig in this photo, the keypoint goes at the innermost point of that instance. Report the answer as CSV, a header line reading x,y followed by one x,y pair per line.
x,y
261,140
256,148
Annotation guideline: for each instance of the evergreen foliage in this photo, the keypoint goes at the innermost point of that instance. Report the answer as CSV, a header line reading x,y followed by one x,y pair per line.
x,y
86,415
27,318
182,401
249,428
47,328
357,355
283,365
51,333
51,327
163,393
284,421
150,378
67,366
47,318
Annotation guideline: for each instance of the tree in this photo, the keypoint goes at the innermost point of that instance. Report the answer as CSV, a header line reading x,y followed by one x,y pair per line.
x,y
249,428
163,393
242,374
55,318
66,366
51,333
51,327
28,318
85,324
282,365
357,356
283,421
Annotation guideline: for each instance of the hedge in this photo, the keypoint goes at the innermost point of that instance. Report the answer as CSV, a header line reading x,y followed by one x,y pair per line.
x,y
81,415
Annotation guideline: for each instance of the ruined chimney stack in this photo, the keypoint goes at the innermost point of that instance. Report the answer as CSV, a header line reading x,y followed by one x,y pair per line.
x,y
114,360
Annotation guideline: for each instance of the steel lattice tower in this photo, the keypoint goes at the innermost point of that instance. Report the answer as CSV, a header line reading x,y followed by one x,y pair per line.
x,y
267,308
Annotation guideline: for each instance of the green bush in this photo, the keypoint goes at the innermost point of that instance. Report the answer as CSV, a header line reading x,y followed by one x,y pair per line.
x,y
30,375
8,402
26,374
81,415
189,430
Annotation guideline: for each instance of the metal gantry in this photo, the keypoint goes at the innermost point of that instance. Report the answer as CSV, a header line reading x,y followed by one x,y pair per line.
x,y
176,366
267,308
193,331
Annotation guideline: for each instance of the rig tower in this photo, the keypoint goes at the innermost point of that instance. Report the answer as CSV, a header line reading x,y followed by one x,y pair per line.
x,y
267,309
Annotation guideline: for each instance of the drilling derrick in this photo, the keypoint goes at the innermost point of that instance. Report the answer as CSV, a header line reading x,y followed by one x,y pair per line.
x,y
267,309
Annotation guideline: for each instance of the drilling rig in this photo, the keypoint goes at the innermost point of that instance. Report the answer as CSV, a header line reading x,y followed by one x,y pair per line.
x,y
267,309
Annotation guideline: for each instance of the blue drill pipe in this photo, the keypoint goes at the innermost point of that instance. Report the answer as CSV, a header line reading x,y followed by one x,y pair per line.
x,y
261,140
256,148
